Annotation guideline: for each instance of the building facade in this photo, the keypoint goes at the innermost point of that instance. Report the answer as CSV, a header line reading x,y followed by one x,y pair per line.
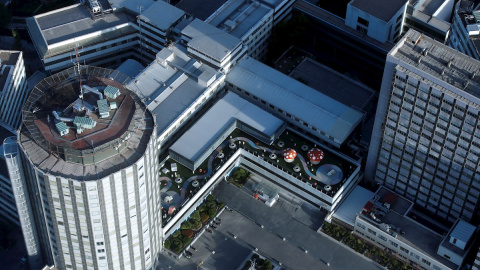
x,y
380,20
13,87
425,138
87,200
465,33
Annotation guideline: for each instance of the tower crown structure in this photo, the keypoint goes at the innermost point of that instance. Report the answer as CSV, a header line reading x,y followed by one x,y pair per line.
x,y
90,169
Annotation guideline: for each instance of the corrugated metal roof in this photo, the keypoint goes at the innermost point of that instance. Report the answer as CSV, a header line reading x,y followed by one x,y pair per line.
x,y
295,98
463,231
209,40
246,15
162,15
111,91
83,122
103,107
61,127
193,143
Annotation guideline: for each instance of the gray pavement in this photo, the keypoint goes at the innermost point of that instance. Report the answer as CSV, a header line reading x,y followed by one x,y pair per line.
x,y
240,232
279,222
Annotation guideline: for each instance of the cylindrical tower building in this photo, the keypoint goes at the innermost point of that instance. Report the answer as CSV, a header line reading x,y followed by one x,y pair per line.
x,y
90,163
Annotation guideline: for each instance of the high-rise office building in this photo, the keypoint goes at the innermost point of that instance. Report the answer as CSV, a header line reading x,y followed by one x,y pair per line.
x,y
13,87
426,138
83,172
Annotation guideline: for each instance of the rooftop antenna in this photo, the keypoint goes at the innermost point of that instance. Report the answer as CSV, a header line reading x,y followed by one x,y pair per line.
x,y
79,76
141,36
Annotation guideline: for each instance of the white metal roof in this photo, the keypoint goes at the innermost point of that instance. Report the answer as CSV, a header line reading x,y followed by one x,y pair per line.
x,y
209,40
353,205
295,98
242,14
162,15
200,137
463,231
131,68
134,6
168,90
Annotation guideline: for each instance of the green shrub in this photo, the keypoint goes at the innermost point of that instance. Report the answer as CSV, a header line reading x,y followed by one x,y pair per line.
x,y
167,244
176,242
203,207
212,212
176,249
176,234
211,198
196,224
267,265
221,205
186,225
211,205
195,215
186,241
239,174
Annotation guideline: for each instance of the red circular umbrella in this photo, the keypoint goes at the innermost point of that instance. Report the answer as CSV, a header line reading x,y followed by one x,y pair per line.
x,y
315,155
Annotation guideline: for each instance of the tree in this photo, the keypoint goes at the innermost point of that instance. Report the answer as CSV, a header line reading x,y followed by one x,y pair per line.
x,y
240,174
195,215
211,205
211,198
267,265
212,212
196,224
167,244
186,225
185,240
187,233
5,15
204,216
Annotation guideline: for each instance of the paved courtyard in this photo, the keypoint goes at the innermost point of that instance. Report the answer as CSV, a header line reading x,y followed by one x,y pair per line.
x,y
241,232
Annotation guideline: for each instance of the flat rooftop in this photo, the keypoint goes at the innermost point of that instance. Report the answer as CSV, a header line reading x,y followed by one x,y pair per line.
x,y
66,24
115,142
428,6
333,84
431,20
381,9
133,6
162,15
238,17
201,9
414,234
339,23
462,67
7,59
130,68
305,103
200,137
168,91
353,205
210,40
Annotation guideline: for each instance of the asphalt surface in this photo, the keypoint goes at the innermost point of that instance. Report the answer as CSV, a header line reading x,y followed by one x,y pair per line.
x,y
241,232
